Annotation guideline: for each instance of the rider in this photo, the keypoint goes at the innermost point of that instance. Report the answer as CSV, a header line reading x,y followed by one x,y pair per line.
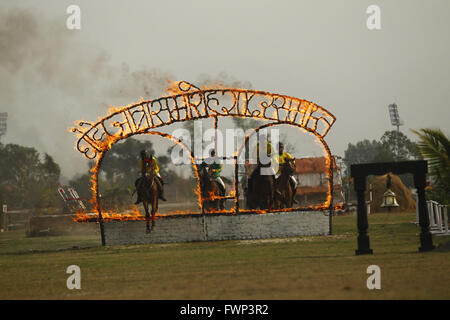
x,y
214,164
268,154
263,138
149,164
281,159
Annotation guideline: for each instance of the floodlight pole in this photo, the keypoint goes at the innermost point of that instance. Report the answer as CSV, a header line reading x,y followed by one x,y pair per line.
x,y
395,121
396,140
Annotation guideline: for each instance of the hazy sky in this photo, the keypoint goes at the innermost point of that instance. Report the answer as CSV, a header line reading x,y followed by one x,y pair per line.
x,y
317,50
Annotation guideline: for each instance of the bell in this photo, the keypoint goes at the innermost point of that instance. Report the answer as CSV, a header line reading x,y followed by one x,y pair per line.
x,y
389,200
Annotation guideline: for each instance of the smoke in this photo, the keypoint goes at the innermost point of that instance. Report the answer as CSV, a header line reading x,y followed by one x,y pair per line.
x,y
222,80
17,30
50,78
54,57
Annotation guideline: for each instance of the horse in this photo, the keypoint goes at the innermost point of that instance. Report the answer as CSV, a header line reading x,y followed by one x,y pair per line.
x,y
209,190
284,198
148,190
260,190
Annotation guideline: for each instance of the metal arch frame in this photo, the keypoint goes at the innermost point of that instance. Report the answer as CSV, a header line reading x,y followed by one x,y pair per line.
x,y
98,136
98,139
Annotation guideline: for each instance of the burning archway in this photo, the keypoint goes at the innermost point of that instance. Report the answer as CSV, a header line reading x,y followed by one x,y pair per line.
x,y
188,102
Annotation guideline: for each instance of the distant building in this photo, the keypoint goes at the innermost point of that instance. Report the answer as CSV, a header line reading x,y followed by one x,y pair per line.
x,y
312,178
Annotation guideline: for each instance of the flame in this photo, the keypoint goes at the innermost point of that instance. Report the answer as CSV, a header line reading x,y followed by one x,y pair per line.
x,y
178,87
135,214
132,214
173,88
339,206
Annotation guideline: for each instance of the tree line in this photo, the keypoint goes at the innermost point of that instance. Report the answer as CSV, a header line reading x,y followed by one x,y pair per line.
x,y
432,145
30,180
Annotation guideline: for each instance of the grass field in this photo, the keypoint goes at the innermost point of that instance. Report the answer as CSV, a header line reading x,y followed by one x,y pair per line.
x,y
322,267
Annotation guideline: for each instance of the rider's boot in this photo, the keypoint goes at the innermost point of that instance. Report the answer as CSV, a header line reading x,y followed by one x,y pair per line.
x,y
276,192
294,191
222,190
275,183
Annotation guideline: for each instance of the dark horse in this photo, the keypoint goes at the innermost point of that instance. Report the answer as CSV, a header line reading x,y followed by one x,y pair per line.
x,y
147,188
261,189
209,190
284,198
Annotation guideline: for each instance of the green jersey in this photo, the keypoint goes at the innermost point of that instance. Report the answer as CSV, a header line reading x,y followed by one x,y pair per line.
x,y
215,167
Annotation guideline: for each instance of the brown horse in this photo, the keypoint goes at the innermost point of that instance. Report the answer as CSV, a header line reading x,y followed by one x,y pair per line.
x,y
209,190
261,190
147,188
284,198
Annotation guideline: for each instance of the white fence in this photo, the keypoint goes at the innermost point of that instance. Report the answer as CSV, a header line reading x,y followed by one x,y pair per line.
x,y
437,214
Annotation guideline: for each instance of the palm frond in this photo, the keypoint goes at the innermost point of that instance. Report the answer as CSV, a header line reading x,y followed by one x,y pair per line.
x,y
435,148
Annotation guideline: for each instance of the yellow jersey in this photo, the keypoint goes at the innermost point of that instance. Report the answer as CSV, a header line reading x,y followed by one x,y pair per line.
x,y
151,164
281,159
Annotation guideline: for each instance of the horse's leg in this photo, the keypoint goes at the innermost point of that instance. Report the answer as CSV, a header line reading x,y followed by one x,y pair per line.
x,y
272,187
147,216
154,207
267,203
272,195
250,203
264,202
276,201
287,200
294,192
218,201
282,199
290,197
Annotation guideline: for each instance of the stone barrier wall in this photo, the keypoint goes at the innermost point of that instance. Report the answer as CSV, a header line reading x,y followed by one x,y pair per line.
x,y
218,227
